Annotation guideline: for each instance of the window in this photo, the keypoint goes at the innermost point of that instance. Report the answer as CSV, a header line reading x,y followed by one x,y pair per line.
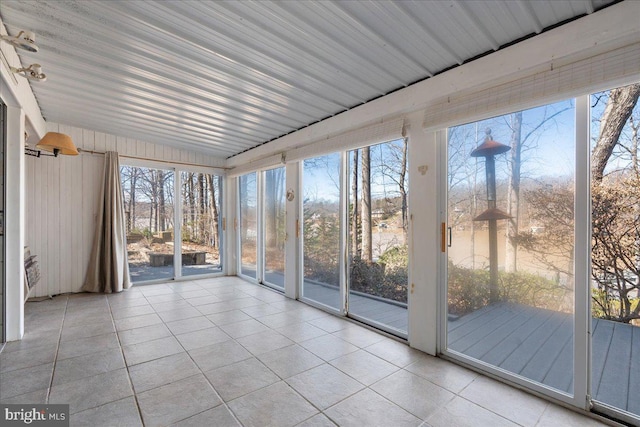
x,y
248,225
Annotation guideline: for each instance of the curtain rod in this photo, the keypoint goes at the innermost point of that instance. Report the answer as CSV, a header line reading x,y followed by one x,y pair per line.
x,y
82,150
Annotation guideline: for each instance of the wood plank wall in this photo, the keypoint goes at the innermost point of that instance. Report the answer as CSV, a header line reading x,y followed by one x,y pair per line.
x,y
62,198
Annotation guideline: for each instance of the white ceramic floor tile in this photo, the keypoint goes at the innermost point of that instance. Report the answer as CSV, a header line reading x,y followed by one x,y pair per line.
x,y
274,406
364,367
92,391
319,420
202,338
328,347
119,413
460,412
289,361
509,402
555,416
159,372
150,350
400,354
368,408
413,393
220,416
359,336
217,355
177,401
147,333
264,342
241,378
243,328
189,325
324,385
445,374
299,332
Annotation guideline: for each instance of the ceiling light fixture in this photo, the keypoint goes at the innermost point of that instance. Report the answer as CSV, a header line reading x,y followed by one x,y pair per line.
x,y
32,72
24,40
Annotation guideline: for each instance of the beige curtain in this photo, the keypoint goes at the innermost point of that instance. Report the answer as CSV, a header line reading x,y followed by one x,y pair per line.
x,y
108,267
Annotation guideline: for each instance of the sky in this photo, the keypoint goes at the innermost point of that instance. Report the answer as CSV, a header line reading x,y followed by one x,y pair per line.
x,y
548,134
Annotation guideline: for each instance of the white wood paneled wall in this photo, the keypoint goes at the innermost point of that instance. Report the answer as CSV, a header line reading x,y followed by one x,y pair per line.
x,y
62,199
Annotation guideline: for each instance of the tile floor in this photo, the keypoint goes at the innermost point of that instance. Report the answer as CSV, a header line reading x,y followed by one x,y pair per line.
x,y
224,352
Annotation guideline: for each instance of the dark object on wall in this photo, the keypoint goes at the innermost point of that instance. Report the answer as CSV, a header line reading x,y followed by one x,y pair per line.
x,y
31,269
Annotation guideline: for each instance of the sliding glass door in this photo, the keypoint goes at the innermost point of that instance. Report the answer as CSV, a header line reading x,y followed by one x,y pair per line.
x,y
150,196
248,222
274,227
377,235
352,257
201,225
149,212
321,231
511,226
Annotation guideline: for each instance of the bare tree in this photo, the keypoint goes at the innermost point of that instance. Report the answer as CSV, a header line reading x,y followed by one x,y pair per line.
x,y
367,246
215,203
513,195
200,233
354,207
519,144
616,114
615,254
160,213
551,206
393,165
463,181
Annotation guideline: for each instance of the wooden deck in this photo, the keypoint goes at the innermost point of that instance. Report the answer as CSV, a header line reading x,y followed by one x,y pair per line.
x,y
538,344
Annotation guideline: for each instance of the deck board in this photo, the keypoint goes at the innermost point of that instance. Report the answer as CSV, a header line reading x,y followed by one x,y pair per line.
x,y
499,354
468,334
560,374
522,355
480,349
633,399
549,351
614,389
600,342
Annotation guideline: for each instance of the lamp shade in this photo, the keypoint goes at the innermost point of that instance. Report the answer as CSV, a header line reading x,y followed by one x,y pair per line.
x,y
57,143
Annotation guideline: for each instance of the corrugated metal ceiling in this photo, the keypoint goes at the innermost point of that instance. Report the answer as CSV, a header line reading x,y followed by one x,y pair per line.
x,y
223,77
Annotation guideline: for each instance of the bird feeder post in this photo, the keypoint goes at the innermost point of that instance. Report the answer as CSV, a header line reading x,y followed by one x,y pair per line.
x,y
489,149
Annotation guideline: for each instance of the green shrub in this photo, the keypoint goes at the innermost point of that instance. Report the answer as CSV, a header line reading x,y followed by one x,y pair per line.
x,y
469,290
395,257
386,278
